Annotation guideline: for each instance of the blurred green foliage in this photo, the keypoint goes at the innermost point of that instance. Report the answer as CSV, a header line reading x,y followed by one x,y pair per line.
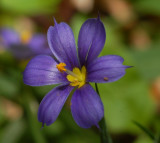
x,y
147,6
125,100
29,7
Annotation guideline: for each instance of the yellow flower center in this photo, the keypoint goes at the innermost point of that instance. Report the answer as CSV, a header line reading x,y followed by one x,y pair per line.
x,y
76,77
25,36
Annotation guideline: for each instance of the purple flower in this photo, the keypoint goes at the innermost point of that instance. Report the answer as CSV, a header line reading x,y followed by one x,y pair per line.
x,y
23,45
73,72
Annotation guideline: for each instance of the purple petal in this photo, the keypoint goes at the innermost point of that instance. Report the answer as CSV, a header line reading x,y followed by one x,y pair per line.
x,y
91,40
62,44
42,70
38,44
86,106
20,51
9,37
52,104
106,69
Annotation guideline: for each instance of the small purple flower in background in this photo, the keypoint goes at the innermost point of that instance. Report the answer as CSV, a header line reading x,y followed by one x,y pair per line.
x,y
24,45
73,72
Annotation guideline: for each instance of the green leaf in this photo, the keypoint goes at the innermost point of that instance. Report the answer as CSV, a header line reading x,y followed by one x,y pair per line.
x,y
157,140
30,7
76,23
148,6
143,139
43,90
147,62
34,125
13,132
126,100
7,86
148,132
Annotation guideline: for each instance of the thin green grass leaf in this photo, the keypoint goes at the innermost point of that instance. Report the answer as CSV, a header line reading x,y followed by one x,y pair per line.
x,y
148,132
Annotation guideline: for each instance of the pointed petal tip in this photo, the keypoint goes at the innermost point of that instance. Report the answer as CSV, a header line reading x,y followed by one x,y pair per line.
x,y
106,69
42,125
94,35
129,66
97,126
55,22
52,103
88,110
98,17
62,44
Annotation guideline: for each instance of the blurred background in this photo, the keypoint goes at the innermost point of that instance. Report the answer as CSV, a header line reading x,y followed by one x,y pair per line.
x,y
132,29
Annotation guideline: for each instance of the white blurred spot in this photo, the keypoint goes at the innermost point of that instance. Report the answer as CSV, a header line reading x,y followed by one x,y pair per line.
x,y
84,6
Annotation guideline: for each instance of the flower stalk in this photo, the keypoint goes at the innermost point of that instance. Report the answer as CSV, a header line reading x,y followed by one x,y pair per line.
x,y
105,137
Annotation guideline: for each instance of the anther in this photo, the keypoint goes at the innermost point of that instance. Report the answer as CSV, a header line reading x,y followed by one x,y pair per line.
x,y
61,67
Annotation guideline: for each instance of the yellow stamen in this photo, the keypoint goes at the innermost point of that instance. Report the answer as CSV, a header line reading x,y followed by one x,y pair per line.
x,y
76,77
61,67
80,78
25,36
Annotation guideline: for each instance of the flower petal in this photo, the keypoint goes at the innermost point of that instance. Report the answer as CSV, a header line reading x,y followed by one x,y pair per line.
x,y
52,104
42,70
91,40
9,37
86,106
38,44
62,44
106,69
20,51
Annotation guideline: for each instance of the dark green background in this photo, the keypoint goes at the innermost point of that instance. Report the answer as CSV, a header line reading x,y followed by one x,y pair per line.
x,y
136,96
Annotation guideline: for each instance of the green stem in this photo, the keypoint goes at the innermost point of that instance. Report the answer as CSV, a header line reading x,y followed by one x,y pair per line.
x,y
105,137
